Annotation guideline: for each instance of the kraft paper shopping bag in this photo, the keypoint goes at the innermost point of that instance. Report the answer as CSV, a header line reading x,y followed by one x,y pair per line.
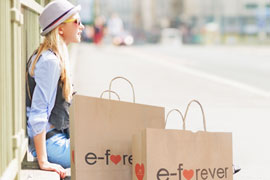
x,y
101,136
182,155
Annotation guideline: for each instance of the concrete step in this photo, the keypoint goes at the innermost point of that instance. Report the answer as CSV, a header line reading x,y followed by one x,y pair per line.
x,y
36,174
30,174
30,170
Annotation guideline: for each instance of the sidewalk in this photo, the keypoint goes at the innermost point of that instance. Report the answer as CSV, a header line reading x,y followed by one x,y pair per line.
x,y
162,80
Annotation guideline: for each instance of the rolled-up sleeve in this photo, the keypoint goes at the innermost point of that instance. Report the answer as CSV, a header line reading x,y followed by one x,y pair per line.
x,y
46,75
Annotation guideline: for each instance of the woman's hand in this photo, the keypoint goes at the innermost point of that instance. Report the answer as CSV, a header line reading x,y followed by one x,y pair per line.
x,y
53,167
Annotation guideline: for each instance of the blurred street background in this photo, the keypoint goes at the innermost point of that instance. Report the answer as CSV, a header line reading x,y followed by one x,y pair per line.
x,y
178,21
173,51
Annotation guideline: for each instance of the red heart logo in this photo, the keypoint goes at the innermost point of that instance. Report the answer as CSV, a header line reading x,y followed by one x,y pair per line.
x,y
115,159
188,174
139,170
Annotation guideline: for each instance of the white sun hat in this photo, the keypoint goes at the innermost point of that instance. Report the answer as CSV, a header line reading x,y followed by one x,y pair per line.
x,y
55,13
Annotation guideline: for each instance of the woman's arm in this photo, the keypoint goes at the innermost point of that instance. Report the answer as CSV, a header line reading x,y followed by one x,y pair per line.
x,y
40,145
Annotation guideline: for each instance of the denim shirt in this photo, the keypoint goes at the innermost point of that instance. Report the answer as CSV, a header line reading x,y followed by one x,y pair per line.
x,y
46,74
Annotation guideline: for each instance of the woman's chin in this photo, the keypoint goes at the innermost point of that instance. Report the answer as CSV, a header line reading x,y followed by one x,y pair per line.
x,y
78,38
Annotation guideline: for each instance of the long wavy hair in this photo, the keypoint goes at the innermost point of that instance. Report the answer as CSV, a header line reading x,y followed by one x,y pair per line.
x,y
55,42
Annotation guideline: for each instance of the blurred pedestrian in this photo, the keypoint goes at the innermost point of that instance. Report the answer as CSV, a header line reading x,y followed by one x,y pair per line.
x,y
99,30
49,89
115,25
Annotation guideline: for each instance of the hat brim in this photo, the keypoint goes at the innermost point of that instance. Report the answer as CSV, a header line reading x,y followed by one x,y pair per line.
x,y
65,17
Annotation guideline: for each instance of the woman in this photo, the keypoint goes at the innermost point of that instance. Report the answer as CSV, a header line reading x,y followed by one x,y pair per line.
x,y
49,90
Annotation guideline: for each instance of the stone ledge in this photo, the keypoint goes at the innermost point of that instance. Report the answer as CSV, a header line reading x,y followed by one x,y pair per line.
x,y
30,170
29,174
35,174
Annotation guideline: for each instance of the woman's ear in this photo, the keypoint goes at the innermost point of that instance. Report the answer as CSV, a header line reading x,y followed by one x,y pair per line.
x,y
60,30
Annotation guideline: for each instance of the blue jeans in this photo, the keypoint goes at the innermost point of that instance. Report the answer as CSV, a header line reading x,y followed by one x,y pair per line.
x,y
58,150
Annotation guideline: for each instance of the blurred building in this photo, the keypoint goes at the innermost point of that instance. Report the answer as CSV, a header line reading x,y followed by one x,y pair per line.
x,y
150,16
241,17
123,8
88,10
230,18
156,13
105,8
144,14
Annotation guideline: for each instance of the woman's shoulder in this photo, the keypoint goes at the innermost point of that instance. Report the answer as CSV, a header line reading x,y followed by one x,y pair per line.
x,y
47,59
49,55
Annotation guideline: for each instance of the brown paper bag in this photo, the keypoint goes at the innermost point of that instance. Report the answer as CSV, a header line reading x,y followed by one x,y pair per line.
x,y
101,136
182,155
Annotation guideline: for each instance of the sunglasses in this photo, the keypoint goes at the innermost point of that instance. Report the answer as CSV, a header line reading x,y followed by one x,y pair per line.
x,y
76,21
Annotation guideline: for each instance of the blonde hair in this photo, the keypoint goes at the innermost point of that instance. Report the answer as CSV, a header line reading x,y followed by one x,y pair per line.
x,y
55,42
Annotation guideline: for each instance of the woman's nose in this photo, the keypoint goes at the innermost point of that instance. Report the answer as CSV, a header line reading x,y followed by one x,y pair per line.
x,y
81,26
